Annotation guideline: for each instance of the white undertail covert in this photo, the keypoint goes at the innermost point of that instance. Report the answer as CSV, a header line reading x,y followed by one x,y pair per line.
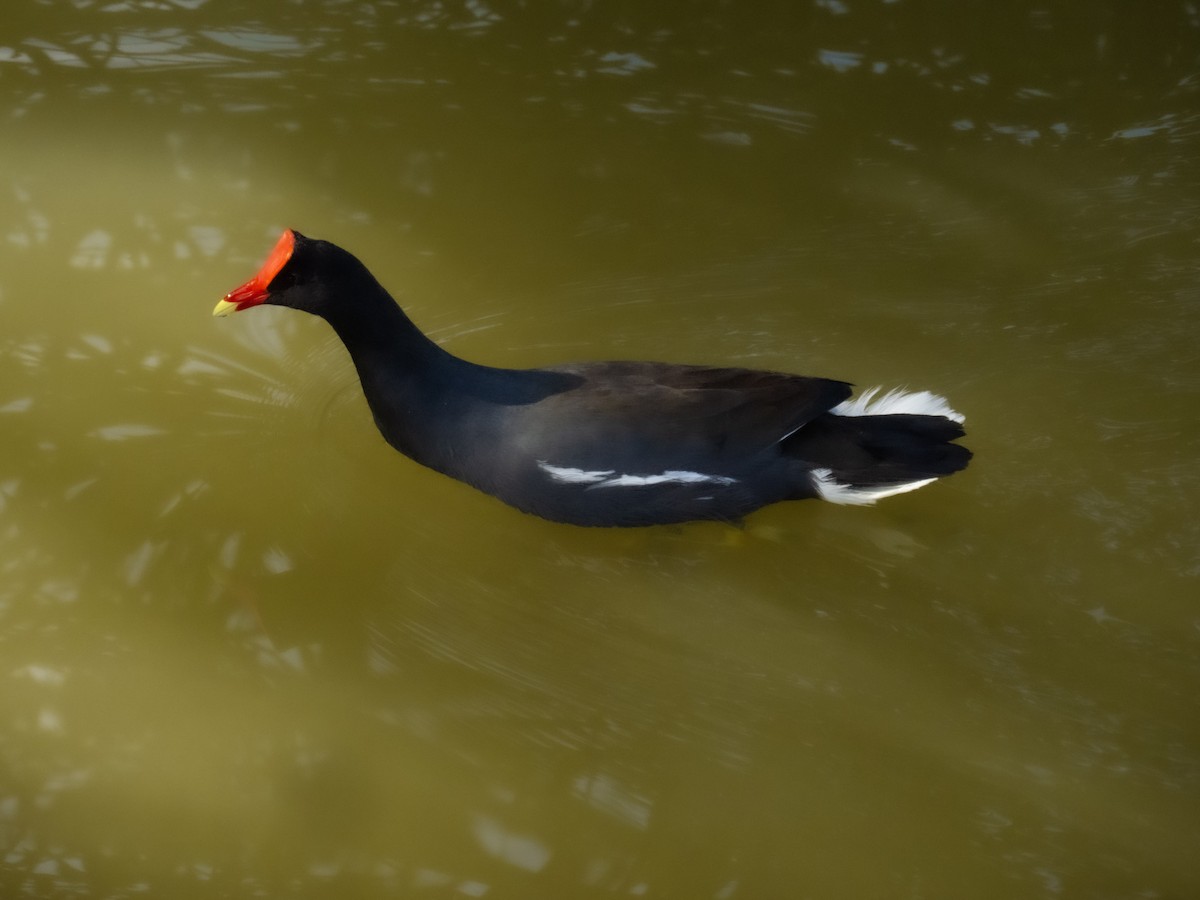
x,y
898,402
829,488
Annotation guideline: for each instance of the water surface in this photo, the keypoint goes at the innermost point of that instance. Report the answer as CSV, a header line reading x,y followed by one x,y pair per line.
x,y
250,651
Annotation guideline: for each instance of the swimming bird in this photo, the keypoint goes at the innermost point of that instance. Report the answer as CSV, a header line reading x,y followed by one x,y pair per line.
x,y
618,443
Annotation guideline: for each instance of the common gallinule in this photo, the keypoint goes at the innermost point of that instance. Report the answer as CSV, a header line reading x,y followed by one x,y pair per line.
x,y
611,443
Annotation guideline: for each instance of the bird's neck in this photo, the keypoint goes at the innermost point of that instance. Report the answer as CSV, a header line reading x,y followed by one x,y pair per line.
x,y
407,379
381,337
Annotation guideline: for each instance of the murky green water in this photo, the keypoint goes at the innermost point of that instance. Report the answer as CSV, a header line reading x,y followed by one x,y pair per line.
x,y
247,650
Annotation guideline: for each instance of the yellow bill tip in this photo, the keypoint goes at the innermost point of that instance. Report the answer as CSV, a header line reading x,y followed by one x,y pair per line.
x,y
224,308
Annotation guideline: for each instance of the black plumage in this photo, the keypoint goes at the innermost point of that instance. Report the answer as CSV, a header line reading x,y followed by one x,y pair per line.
x,y
609,443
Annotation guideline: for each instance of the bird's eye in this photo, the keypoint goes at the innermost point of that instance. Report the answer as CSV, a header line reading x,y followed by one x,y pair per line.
x,y
288,277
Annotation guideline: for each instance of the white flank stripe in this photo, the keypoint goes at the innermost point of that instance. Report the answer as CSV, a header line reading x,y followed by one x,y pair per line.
x,y
672,476
829,488
609,477
573,476
897,402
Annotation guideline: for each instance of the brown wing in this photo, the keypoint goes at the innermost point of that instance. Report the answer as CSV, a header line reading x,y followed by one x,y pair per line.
x,y
724,410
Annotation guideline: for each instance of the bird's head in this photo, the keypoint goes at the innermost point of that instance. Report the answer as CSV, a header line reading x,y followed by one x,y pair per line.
x,y
300,273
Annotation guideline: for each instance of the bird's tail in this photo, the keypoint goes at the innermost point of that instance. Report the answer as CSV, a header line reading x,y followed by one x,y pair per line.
x,y
872,447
